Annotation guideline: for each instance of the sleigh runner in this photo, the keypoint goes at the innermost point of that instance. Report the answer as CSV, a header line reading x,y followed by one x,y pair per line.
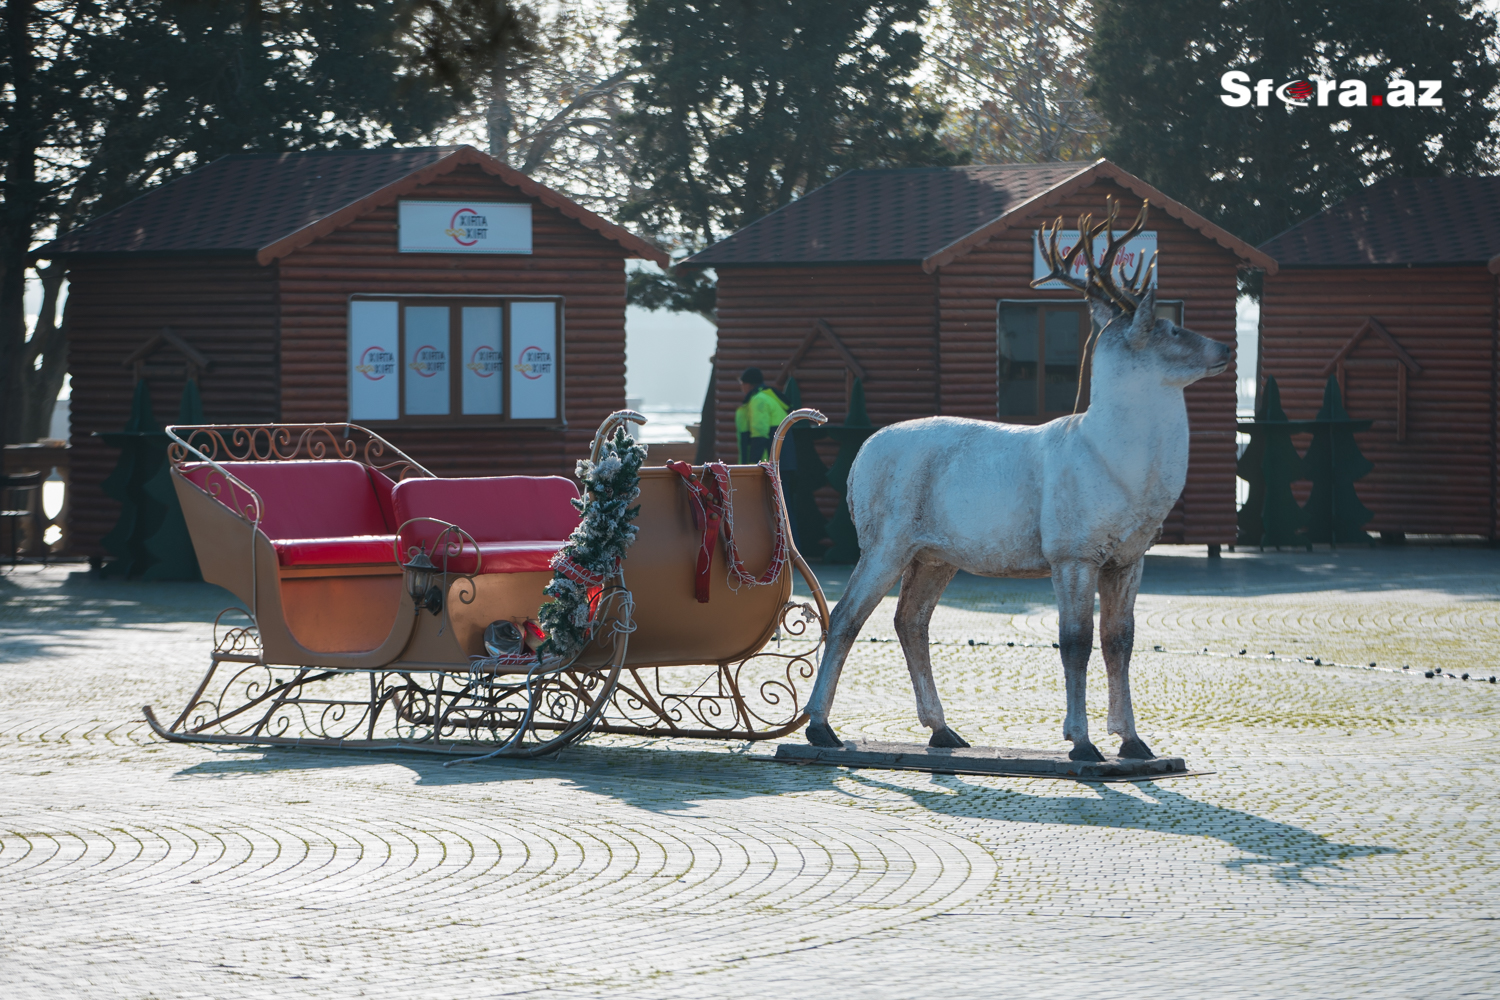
x,y
368,583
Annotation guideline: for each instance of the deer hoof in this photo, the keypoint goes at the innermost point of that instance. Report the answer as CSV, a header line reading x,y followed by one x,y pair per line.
x,y
946,737
1136,749
821,734
1085,751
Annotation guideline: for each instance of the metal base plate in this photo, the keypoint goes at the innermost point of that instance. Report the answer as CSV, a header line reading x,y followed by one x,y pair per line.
x,y
1004,761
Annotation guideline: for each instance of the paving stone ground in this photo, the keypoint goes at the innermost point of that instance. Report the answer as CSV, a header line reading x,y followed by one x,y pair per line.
x,y
1344,848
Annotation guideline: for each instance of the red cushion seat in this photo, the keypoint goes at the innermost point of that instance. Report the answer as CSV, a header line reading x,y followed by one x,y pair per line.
x,y
316,513
519,522
354,550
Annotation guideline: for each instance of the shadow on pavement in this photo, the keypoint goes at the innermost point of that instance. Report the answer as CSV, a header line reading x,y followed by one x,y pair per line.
x,y
673,780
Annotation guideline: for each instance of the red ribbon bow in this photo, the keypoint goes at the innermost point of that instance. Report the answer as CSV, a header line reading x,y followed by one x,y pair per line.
x,y
708,502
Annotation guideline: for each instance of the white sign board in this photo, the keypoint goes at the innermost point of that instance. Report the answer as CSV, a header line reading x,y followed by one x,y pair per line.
x,y
483,360
1140,248
533,361
464,227
427,375
374,382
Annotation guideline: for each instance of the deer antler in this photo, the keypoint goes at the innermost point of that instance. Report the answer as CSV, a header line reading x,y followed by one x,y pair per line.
x,y
1061,265
1101,276
1099,284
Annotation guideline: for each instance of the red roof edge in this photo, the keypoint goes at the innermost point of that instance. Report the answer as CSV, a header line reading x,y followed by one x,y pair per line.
x,y
1085,177
636,246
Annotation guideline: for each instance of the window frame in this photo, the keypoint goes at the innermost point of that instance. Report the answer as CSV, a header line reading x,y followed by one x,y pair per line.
x,y
455,418
1042,414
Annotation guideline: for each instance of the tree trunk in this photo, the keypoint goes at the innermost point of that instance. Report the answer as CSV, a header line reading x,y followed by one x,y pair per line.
x,y
44,362
18,216
498,116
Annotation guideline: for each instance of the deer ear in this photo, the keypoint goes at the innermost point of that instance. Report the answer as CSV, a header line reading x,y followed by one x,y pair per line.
x,y
1144,320
1104,313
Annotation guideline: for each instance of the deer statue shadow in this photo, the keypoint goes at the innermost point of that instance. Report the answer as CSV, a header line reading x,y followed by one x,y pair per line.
x,y
1281,851
1080,499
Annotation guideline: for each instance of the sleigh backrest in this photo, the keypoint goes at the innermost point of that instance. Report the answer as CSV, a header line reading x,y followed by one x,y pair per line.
x,y
304,499
489,509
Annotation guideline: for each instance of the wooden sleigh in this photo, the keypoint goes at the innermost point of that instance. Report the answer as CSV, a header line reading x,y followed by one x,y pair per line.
x,y
344,639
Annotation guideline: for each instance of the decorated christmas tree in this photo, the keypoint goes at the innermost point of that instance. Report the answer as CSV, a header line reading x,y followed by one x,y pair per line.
x,y
1334,463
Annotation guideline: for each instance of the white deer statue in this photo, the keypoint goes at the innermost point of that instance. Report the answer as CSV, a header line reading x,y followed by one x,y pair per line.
x,y
1080,498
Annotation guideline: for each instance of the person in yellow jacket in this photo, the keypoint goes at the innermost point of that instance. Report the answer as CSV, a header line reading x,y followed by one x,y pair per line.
x,y
758,417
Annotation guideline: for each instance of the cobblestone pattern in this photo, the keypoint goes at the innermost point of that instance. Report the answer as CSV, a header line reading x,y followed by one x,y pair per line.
x,y
1343,849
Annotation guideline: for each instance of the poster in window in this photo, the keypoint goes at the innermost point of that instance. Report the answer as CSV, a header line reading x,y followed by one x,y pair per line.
x,y
533,361
425,353
374,382
483,360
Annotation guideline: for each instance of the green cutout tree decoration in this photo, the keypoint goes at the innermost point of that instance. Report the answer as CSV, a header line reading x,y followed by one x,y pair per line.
x,y
1334,464
851,436
170,547
141,457
1281,517
150,541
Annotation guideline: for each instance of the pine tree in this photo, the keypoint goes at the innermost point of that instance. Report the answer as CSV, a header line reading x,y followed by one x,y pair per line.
x,y
744,105
1157,66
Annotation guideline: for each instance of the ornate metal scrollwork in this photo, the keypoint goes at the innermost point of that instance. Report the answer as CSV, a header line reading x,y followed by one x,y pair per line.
x,y
755,698
287,442
244,700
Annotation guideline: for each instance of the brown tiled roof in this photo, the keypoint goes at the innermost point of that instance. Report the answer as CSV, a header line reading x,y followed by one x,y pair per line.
x,y
269,204
1395,222
930,216
886,216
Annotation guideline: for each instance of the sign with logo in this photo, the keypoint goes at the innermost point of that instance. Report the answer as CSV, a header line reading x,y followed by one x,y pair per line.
x,y
533,360
1323,92
483,360
464,227
427,375
1137,252
374,382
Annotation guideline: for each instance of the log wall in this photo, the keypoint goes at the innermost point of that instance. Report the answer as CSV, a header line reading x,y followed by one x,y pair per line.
x,y
883,315
1192,269
567,259
1442,478
277,338
929,341
223,306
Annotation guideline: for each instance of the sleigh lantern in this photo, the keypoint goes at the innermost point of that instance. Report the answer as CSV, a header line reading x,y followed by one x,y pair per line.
x,y
367,585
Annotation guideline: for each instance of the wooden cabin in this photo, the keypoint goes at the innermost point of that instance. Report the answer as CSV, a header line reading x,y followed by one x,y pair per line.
x,y
1395,291
919,281
471,316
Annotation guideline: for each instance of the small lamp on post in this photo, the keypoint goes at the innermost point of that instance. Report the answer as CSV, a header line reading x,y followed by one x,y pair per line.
x,y
419,583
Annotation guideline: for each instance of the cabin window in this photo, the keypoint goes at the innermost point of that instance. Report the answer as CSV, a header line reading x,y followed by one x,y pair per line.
x,y
1039,350
434,361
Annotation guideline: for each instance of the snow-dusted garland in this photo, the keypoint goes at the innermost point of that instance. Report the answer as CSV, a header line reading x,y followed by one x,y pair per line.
x,y
592,554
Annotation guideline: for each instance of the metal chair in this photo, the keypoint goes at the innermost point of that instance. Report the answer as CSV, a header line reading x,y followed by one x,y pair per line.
x,y
26,482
